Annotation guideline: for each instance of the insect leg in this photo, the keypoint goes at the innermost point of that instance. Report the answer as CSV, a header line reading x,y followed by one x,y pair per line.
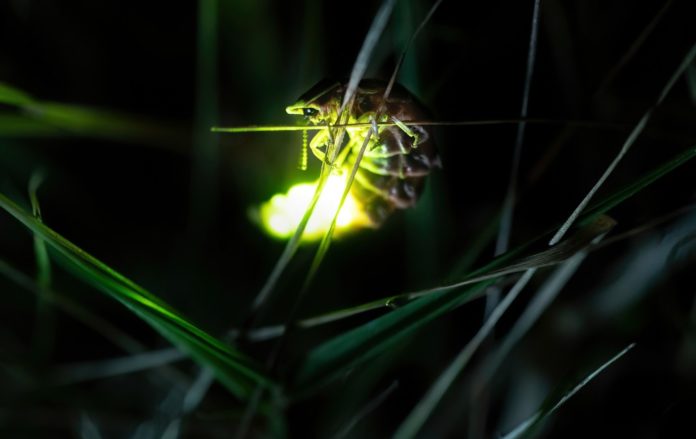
x,y
320,140
409,132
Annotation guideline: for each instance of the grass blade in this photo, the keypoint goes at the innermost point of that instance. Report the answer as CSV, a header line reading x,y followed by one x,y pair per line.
x,y
543,414
503,240
235,370
74,373
366,410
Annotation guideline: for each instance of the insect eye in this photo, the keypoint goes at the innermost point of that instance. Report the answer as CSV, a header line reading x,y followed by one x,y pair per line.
x,y
309,112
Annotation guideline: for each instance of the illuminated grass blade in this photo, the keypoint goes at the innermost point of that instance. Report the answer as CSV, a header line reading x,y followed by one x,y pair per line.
x,y
541,415
354,347
237,372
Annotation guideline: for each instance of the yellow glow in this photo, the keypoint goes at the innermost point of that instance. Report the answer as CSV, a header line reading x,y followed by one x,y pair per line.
x,y
280,215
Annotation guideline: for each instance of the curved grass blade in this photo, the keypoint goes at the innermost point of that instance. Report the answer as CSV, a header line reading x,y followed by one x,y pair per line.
x,y
544,413
354,347
236,371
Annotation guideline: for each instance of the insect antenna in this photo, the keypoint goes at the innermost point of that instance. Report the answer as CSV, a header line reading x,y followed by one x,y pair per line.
x,y
302,165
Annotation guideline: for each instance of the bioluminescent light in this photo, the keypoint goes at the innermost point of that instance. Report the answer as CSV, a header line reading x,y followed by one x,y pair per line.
x,y
280,215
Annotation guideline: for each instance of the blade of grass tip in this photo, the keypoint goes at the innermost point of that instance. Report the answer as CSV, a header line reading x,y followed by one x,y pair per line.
x,y
79,372
204,179
422,411
503,239
539,416
366,410
536,307
626,146
641,229
44,326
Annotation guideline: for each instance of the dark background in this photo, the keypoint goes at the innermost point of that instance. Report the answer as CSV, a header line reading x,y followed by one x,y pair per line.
x,y
140,205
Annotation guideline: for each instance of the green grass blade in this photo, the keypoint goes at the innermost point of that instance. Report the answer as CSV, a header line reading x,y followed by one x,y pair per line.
x,y
358,345
13,96
544,413
235,370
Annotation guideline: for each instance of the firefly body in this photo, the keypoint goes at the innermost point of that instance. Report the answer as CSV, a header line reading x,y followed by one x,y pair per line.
x,y
396,161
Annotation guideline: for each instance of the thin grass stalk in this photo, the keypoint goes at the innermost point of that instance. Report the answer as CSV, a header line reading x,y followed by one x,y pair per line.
x,y
205,172
539,416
